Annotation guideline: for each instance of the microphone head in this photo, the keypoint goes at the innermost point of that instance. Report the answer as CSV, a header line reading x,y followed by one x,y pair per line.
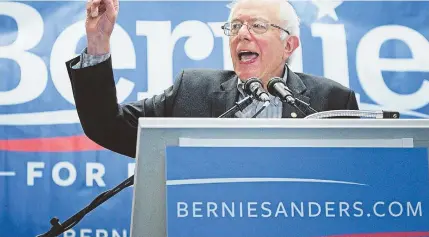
x,y
272,82
249,82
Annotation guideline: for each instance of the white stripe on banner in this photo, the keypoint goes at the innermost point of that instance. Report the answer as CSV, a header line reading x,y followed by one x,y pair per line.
x,y
40,118
254,180
7,173
71,117
214,0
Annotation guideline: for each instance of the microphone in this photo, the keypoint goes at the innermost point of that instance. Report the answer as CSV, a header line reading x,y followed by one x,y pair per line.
x,y
276,86
253,86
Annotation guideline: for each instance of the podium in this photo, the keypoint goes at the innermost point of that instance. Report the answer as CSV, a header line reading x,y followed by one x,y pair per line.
x,y
157,135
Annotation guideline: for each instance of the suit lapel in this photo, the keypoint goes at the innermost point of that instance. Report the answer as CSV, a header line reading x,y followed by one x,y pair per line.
x,y
297,87
224,98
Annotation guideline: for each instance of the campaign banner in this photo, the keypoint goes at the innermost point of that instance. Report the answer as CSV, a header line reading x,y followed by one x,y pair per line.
x,y
299,192
377,48
38,187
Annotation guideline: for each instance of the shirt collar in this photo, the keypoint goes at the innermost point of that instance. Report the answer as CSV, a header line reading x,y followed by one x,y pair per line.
x,y
240,85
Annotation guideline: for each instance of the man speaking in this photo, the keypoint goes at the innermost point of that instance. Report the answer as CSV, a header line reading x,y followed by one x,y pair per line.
x,y
263,34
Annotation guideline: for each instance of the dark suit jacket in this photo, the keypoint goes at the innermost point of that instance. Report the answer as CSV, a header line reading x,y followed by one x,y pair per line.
x,y
195,93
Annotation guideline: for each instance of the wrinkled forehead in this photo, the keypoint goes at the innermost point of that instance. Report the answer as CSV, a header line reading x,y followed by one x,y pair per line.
x,y
247,10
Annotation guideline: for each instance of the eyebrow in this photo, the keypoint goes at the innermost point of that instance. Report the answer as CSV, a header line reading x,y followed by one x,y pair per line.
x,y
252,19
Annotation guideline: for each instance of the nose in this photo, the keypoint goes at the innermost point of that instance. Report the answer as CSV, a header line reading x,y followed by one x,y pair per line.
x,y
244,33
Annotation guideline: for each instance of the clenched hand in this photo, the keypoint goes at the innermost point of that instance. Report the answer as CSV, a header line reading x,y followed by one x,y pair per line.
x,y
100,20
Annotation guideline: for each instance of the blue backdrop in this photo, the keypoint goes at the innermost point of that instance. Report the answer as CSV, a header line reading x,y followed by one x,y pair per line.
x,y
48,167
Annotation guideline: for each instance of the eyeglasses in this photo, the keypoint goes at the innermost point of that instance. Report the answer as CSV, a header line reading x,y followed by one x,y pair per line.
x,y
258,27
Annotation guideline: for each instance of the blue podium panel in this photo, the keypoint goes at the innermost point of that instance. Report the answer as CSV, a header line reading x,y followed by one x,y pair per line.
x,y
273,192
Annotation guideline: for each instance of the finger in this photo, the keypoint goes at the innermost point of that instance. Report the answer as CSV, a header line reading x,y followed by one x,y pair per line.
x,y
88,7
116,4
101,8
94,12
112,5
94,7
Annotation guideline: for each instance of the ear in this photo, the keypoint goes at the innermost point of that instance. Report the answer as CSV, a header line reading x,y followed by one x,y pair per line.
x,y
292,43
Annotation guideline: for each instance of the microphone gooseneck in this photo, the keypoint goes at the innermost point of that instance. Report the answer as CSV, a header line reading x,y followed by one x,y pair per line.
x,y
253,86
240,105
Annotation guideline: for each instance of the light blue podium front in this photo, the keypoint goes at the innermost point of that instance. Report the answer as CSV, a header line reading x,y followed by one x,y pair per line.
x,y
157,135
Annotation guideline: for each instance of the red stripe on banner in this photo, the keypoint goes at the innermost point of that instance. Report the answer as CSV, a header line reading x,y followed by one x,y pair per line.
x,y
392,234
54,144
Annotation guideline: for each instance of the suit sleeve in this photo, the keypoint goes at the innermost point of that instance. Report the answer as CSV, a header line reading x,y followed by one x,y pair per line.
x,y
109,124
352,102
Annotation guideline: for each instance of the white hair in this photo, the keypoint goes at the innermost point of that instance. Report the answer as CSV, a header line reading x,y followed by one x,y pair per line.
x,y
287,14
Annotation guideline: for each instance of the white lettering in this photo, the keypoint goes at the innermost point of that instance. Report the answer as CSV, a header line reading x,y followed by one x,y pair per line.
x,y
251,209
159,56
33,173
334,45
414,212
160,46
391,209
200,42
95,232
34,75
358,207
69,233
71,173
344,208
64,48
115,233
211,209
329,208
101,233
370,66
182,209
131,168
83,232
375,209
266,209
310,209
95,172
231,210
281,209
300,210
197,210
218,32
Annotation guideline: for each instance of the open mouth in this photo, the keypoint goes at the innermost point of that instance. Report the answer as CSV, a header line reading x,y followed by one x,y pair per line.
x,y
247,56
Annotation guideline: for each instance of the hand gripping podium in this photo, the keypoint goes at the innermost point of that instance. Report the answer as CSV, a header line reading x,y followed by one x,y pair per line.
x,y
209,177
